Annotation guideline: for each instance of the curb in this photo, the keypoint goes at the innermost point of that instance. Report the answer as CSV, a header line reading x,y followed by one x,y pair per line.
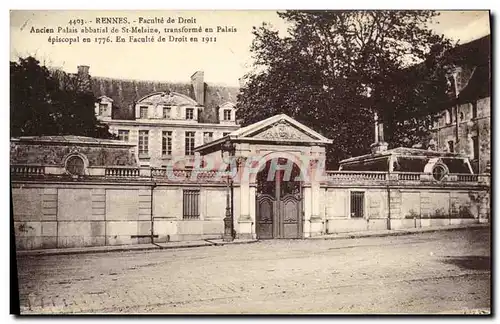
x,y
117,249
149,246
230,243
347,236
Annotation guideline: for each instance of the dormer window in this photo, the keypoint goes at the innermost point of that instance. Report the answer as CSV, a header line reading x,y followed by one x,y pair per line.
x,y
102,108
189,113
166,112
163,105
226,112
143,112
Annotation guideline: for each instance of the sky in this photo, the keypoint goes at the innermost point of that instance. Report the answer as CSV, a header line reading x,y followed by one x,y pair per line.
x,y
223,61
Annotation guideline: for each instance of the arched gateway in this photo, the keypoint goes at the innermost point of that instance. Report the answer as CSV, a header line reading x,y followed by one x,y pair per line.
x,y
279,200
275,187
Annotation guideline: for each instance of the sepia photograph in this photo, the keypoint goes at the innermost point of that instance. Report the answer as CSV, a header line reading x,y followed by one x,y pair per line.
x,y
257,162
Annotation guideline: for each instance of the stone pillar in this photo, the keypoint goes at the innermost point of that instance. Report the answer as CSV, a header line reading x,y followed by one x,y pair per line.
x,y
245,222
307,210
316,223
252,202
484,208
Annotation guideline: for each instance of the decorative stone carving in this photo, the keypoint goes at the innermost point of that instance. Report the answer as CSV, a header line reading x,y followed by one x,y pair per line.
x,y
55,155
283,131
313,163
168,98
240,161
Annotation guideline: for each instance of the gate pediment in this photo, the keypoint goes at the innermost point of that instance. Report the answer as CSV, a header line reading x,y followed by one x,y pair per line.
x,y
280,128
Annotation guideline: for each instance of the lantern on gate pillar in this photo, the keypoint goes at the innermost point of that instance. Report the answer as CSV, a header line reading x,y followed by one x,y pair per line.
x,y
227,152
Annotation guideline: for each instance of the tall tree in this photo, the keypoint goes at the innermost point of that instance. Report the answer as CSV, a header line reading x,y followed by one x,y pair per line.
x,y
46,103
321,72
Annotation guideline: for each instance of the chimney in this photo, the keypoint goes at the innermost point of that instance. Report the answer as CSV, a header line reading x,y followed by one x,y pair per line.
x,y
83,70
198,87
83,78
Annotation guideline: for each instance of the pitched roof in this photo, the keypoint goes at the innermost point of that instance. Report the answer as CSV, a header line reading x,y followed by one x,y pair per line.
x,y
475,56
125,93
476,52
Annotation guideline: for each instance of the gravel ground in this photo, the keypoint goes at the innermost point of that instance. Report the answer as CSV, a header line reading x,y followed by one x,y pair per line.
x,y
439,272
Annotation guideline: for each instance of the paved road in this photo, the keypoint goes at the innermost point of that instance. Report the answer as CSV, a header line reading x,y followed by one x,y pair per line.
x,y
425,273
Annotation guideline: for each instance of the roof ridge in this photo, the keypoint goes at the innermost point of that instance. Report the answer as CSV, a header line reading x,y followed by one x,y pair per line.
x,y
162,81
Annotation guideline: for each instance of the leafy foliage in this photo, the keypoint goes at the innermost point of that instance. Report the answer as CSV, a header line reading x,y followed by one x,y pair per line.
x,y
322,71
46,103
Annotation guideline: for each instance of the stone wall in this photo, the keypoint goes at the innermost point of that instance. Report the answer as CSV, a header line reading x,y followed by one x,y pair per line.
x,y
55,154
60,215
410,206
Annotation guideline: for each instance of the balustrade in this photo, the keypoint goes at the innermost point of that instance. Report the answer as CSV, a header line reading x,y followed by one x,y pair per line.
x,y
27,170
122,172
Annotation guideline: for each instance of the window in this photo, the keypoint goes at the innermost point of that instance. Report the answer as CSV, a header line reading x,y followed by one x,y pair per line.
x,y
190,204
102,109
475,147
144,112
208,137
474,109
447,117
123,135
461,116
143,142
189,147
166,143
451,147
225,134
227,114
75,165
166,112
357,203
438,172
189,113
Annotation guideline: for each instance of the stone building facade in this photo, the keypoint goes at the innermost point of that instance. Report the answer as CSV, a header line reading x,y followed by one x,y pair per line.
x,y
465,125
73,192
165,121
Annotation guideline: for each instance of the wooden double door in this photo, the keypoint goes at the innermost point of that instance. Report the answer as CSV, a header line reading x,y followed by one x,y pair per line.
x,y
279,203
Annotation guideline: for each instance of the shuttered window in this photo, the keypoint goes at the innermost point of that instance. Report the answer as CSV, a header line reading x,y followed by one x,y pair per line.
x,y
190,204
357,203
